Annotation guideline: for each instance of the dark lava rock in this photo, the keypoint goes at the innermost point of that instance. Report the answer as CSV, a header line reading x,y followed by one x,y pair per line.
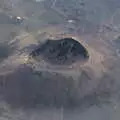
x,y
62,51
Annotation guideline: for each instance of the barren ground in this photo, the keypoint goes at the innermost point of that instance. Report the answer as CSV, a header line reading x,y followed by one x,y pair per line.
x,y
41,91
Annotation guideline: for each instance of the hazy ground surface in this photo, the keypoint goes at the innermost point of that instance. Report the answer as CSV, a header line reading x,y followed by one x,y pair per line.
x,y
32,90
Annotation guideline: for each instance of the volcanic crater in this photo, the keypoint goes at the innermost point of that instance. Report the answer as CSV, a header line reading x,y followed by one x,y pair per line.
x,y
65,51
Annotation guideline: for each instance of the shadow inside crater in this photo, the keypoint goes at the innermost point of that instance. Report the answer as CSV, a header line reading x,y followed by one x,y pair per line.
x,y
62,51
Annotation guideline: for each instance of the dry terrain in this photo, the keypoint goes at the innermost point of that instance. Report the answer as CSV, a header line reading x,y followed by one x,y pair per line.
x,y
39,90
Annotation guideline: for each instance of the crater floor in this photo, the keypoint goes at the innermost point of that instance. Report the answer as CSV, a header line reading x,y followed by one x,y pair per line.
x,y
64,51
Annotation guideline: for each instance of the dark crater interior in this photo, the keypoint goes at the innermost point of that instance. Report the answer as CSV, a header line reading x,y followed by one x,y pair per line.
x,y
62,51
